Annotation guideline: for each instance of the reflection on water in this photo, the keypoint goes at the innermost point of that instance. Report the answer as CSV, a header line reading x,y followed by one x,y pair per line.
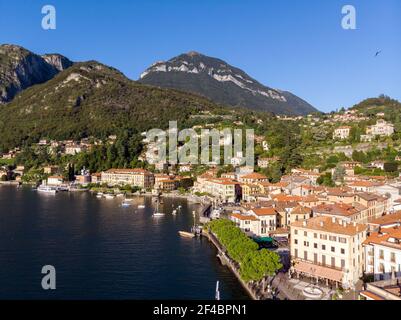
x,y
104,251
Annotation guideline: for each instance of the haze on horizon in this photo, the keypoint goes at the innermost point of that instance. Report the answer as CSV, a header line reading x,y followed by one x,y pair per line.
x,y
295,46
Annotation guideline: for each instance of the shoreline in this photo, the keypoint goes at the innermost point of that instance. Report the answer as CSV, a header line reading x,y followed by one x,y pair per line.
x,y
224,260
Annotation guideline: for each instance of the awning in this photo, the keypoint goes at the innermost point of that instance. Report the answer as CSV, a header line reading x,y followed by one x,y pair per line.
x,y
319,271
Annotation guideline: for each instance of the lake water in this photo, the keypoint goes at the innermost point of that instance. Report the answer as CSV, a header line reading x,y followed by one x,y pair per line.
x,y
103,251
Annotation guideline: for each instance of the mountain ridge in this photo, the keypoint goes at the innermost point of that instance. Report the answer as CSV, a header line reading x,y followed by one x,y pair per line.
x,y
21,69
223,83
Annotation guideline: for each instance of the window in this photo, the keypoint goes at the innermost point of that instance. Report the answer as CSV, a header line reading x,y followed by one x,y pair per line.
x,y
342,263
333,238
315,245
392,257
323,247
323,259
323,236
295,241
296,253
315,257
333,249
306,243
305,233
306,255
342,240
315,235
342,251
381,254
295,231
333,262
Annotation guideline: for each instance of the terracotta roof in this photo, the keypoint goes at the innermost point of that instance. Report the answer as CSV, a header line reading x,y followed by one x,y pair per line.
x,y
136,170
387,219
243,217
264,211
389,237
254,175
320,271
326,224
371,295
301,210
338,209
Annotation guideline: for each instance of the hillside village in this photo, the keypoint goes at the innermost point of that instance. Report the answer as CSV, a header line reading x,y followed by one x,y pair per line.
x,y
335,202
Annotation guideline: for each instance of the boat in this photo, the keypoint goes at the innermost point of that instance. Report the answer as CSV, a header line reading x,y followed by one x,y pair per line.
x,y
157,213
174,212
99,195
125,204
186,234
141,206
46,189
128,199
217,295
120,195
109,196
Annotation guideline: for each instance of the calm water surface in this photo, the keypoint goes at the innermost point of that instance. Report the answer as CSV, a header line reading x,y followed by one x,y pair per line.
x,y
103,251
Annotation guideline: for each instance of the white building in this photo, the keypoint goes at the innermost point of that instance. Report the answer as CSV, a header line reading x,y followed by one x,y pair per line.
x,y
383,253
381,128
342,132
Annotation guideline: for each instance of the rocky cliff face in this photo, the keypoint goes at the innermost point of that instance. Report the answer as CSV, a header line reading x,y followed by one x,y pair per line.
x,y
20,69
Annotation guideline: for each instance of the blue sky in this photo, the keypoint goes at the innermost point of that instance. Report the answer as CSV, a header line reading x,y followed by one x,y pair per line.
x,y
293,45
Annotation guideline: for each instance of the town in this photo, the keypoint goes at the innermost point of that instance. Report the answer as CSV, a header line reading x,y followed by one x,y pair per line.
x,y
336,219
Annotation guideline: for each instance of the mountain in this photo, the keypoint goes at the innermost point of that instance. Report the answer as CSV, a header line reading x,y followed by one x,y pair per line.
x,y
20,69
222,83
91,99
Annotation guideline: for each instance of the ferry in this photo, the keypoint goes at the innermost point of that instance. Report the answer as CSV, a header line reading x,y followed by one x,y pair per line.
x,y
46,189
186,234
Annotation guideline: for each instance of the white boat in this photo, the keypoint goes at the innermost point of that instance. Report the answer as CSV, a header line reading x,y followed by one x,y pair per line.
x,y
47,189
174,212
125,204
141,206
156,213
186,234
128,199
109,196
120,195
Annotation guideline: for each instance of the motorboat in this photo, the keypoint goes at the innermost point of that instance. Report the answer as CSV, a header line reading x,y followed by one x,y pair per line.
x,y
141,206
109,196
125,204
186,234
47,189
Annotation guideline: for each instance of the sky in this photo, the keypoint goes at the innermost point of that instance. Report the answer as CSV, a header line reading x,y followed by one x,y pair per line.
x,y
294,45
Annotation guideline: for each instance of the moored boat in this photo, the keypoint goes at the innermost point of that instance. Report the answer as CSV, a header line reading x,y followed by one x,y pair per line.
x,y
47,189
186,234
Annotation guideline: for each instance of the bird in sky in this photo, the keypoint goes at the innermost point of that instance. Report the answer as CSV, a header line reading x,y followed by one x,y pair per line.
x,y
377,53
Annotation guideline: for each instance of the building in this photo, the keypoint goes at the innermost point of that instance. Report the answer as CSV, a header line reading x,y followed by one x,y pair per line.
x,y
383,253
387,221
267,218
328,249
225,190
96,177
382,290
135,177
381,128
253,178
265,162
348,213
299,213
73,149
342,132
55,180
247,223
50,169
